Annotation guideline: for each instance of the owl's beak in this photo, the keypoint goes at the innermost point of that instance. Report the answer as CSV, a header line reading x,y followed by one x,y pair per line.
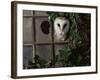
x,y
62,34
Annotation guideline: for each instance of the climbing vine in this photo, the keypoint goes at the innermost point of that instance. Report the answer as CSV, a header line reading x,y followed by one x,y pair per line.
x,y
77,50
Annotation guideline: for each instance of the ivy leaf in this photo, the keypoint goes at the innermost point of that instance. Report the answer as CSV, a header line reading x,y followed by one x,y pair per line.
x,y
65,52
75,37
52,15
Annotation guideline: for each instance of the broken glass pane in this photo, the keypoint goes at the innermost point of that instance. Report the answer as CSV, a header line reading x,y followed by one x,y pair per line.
x,y
43,30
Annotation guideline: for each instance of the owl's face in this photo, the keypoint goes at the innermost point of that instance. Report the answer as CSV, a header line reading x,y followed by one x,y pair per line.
x,y
61,27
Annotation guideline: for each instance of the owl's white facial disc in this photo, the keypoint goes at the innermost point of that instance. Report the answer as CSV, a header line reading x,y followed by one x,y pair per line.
x,y
61,27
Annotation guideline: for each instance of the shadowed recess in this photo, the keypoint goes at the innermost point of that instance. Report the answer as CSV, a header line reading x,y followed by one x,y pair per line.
x,y
45,25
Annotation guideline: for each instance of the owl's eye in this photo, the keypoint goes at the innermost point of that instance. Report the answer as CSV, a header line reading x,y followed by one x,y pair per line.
x,y
58,25
64,25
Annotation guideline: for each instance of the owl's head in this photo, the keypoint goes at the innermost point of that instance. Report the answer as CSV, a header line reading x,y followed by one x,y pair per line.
x,y
61,27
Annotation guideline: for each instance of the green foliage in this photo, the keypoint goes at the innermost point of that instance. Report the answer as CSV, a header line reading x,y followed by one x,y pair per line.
x,y
52,16
73,33
73,53
39,62
63,56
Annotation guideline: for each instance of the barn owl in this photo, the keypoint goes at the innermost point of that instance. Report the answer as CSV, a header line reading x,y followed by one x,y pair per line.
x,y
61,27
